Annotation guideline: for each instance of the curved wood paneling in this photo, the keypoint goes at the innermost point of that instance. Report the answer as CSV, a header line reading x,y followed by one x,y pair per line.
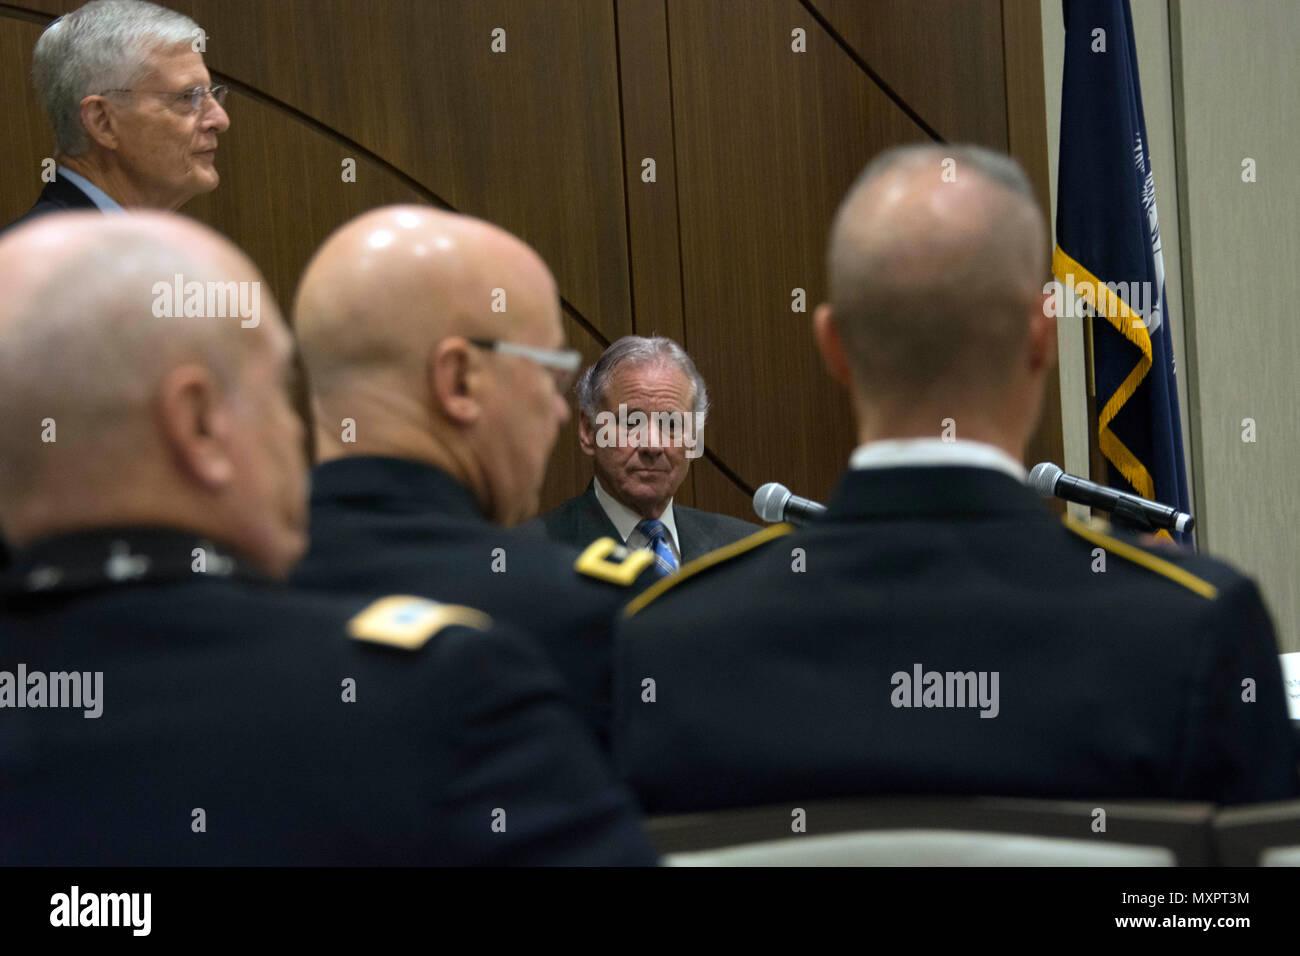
x,y
942,57
754,147
768,140
416,82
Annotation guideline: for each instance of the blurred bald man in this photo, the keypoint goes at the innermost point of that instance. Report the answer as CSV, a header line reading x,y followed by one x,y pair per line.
x,y
161,702
939,631
437,369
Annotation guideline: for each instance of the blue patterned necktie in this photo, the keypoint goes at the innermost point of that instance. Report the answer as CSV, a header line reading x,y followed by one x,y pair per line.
x,y
657,535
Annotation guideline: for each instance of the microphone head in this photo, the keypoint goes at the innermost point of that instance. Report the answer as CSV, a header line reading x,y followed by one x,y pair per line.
x,y
769,501
1043,478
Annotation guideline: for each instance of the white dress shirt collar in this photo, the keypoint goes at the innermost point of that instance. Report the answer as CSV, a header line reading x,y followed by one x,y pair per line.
x,y
937,453
101,199
625,520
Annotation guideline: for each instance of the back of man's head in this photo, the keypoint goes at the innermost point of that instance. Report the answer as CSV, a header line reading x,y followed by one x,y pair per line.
x,y
937,259
142,373
395,315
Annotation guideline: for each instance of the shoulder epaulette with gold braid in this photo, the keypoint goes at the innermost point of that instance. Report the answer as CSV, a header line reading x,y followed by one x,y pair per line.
x,y
705,561
1131,552
607,560
401,620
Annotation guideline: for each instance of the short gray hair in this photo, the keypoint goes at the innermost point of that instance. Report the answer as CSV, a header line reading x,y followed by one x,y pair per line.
x,y
940,304
103,45
996,167
639,350
105,316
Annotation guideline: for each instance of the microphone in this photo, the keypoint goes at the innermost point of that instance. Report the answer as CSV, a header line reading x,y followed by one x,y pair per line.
x,y
1047,479
774,502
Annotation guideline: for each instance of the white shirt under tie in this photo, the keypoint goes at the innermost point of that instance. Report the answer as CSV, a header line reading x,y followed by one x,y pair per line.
x,y
626,520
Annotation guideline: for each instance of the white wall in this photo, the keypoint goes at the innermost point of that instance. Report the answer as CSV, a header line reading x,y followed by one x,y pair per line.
x,y
1239,97
1219,83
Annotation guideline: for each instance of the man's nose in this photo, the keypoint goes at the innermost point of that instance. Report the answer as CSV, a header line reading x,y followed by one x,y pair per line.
x,y
215,116
659,438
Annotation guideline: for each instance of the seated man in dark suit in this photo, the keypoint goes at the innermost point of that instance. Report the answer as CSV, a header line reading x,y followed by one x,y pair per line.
x,y
162,701
939,631
642,405
435,416
134,112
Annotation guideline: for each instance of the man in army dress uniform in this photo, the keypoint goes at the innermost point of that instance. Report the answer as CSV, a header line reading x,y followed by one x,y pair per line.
x,y
939,631
435,416
162,700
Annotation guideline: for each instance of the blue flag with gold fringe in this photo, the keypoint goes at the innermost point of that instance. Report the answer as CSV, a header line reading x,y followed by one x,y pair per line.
x,y
1108,252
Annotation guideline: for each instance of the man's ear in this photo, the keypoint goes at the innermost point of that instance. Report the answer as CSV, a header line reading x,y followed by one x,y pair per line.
x,y
831,345
453,376
1042,335
586,435
196,425
98,121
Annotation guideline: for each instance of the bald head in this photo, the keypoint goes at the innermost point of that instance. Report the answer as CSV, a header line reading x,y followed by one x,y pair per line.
x,y
937,256
79,312
385,317
124,401
389,284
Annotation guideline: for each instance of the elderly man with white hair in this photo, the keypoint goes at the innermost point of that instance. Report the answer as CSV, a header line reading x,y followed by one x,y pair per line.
x,y
642,408
134,111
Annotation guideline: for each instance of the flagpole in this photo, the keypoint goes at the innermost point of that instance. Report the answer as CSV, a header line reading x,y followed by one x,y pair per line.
x,y
1097,470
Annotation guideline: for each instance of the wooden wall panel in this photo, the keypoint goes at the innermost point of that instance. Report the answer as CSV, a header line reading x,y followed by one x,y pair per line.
x,y
942,57
768,141
721,493
528,138
26,139
282,191
754,146
540,121
648,133
1027,142
653,237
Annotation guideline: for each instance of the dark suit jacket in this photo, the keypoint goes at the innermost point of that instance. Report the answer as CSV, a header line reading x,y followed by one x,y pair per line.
x,y
384,525
58,195
581,520
779,684
224,693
